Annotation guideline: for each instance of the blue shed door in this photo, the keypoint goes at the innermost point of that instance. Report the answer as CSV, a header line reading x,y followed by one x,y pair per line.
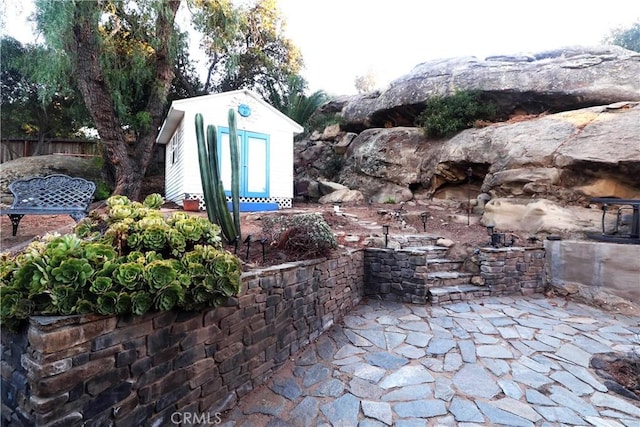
x,y
254,162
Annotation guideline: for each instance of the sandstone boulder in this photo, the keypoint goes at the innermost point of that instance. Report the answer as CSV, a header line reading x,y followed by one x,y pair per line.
x,y
539,216
556,80
569,157
328,187
346,196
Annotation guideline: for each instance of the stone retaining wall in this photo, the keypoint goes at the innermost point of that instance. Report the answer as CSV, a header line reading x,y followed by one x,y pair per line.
x,y
123,371
513,270
401,275
396,275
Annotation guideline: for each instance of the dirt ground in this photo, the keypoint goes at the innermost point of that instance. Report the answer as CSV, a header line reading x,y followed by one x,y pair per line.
x,y
353,225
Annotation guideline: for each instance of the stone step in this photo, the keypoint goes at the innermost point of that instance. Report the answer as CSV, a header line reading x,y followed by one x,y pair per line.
x,y
456,293
431,251
444,264
438,279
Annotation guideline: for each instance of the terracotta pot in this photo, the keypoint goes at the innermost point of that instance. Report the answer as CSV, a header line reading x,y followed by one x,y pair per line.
x,y
192,205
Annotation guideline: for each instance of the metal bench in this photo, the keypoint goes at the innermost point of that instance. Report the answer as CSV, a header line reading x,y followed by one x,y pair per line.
x,y
50,195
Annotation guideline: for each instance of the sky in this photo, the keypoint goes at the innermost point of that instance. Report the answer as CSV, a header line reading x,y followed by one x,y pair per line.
x,y
343,39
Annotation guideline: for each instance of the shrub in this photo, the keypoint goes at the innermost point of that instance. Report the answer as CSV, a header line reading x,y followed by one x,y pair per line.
x,y
129,260
319,121
334,165
103,191
301,236
444,116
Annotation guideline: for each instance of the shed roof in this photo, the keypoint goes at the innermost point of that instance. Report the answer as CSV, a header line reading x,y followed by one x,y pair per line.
x,y
178,108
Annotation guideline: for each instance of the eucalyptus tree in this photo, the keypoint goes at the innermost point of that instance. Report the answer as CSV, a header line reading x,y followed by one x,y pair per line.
x,y
125,55
627,37
121,55
246,47
22,112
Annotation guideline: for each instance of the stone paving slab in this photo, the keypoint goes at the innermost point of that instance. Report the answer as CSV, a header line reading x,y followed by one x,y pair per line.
x,y
518,361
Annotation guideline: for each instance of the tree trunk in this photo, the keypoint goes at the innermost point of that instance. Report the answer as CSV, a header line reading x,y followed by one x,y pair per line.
x,y
129,162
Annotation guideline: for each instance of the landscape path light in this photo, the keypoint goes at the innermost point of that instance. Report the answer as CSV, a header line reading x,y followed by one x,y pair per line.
x,y
424,216
385,231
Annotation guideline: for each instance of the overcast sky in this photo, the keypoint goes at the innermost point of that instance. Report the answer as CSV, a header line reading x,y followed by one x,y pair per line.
x,y
342,39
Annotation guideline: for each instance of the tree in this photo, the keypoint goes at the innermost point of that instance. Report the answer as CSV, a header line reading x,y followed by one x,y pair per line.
x,y
628,38
121,55
366,83
293,102
23,114
246,46
125,54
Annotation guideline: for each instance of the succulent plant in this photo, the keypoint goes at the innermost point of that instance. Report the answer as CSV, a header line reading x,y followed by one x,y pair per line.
x,y
119,264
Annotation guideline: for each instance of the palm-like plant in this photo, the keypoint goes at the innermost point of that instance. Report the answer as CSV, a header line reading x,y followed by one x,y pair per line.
x,y
293,102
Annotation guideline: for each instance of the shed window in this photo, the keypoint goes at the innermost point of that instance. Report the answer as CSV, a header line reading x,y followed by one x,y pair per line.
x,y
176,145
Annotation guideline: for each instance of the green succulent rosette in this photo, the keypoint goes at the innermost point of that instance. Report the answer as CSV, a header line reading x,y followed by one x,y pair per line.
x,y
159,274
123,303
84,306
118,200
177,242
150,221
130,275
120,212
168,297
73,272
99,253
189,228
141,302
153,201
106,303
101,285
153,256
136,256
64,298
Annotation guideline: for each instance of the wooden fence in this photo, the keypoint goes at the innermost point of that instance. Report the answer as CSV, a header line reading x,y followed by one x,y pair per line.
x,y
11,149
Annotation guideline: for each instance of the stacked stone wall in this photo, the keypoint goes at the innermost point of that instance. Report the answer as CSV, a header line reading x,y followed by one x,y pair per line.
x,y
401,275
153,369
396,275
513,270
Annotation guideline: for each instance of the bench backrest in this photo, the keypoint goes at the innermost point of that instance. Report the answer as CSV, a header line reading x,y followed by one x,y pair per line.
x,y
53,191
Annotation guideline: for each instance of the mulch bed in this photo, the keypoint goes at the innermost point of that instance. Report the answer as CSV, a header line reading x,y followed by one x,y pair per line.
x,y
621,373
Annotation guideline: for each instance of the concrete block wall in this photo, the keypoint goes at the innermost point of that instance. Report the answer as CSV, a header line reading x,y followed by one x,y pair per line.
x,y
126,371
602,272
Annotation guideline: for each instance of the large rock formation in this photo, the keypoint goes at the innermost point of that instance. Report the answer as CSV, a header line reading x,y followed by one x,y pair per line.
x,y
567,156
570,131
553,81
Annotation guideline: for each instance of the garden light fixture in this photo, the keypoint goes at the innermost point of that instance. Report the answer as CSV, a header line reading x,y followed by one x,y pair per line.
x,y
385,231
424,216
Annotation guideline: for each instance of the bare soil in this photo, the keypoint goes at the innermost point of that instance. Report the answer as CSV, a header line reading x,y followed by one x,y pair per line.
x,y
355,226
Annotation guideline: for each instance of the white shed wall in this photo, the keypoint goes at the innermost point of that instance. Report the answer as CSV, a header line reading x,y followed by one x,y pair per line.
x,y
281,165
185,177
174,180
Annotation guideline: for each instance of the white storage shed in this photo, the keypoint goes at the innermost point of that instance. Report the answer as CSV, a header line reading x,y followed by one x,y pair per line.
x,y
265,139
